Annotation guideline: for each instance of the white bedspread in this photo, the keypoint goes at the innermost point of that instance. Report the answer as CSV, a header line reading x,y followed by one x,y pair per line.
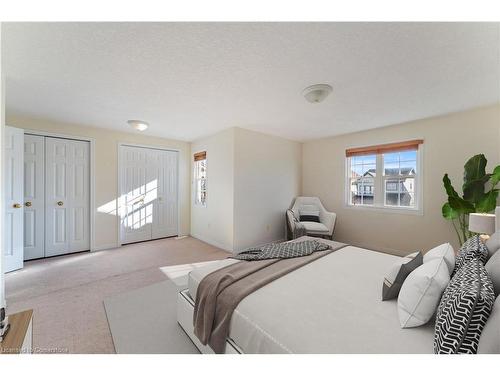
x,y
332,305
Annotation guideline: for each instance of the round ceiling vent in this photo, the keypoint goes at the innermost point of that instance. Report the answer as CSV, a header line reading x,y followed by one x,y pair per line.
x,y
317,93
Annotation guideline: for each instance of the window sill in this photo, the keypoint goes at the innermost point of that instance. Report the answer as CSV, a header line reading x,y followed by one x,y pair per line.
x,y
385,209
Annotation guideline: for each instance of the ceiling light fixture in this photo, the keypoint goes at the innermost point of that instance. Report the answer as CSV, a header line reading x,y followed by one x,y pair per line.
x,y
138,124
317,93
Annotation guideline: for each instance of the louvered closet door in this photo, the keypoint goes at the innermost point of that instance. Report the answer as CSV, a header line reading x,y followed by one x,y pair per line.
x,y
138,189
165,206
67,196
34,196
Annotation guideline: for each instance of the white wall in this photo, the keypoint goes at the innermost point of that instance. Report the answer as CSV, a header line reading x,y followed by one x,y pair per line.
x,y
214,222
252,179
2,130
266,179
106,176
449,141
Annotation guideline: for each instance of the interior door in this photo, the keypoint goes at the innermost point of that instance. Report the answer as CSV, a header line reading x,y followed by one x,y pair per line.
x,y
34,196
13,184
165,206
67,196
137,194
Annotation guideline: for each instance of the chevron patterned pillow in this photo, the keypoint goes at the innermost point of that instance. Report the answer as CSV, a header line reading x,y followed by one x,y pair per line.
x,y
472,248
464,309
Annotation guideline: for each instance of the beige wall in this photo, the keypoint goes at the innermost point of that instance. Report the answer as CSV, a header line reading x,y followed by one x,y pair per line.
x,y
449,141
214,222
106,166
267,177
252,178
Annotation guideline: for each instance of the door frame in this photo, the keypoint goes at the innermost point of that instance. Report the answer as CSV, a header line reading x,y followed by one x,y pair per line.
x,y
119,187
91,172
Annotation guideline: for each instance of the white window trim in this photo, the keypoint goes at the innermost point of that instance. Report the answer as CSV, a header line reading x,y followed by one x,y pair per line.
x,y
378,199
195,185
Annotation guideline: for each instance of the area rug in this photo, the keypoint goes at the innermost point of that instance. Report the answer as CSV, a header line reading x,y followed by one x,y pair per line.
x,y
145,321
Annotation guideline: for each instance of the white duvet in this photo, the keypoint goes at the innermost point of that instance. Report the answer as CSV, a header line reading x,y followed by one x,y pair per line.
x,y
332,305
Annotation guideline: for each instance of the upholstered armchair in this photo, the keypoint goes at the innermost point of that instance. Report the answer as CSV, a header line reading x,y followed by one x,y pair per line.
x,y
308,208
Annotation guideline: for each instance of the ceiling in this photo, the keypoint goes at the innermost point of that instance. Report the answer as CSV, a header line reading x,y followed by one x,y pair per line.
x,y
189,80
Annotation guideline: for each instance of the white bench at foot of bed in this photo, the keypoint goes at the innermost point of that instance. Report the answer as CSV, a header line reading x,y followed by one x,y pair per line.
x,y
185,310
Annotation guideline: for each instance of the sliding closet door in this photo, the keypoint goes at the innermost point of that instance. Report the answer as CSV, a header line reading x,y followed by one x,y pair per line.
x,y
67,196
34,196
138,192
165,206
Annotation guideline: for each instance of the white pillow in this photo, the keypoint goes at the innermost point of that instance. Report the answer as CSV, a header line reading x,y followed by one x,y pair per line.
x,y
489,341
493,243
493,268
442,251
421,292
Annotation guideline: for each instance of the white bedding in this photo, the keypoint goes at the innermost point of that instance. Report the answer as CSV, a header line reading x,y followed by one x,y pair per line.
x,y
332,305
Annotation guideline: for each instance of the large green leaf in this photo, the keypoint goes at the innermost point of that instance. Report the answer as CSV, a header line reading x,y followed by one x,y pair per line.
x,y
474,178
489,201
448,187
495,176
448,212
461,205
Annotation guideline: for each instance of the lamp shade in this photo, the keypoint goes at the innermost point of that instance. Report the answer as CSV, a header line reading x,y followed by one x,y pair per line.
x,y
482,223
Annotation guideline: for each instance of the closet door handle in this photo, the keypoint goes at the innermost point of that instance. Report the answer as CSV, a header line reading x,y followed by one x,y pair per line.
x,y
28,204
17,205
60,203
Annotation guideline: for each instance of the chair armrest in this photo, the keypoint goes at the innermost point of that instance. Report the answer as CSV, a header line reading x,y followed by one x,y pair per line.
x,y
329,219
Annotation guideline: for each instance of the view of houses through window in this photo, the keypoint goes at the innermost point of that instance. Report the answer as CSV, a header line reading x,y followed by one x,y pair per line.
x,y
383,179
200,178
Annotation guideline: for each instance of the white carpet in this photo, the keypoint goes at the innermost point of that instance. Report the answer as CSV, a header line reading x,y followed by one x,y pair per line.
x,y
145,321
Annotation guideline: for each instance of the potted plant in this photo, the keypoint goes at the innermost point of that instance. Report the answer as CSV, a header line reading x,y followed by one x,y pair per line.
x,y
479,195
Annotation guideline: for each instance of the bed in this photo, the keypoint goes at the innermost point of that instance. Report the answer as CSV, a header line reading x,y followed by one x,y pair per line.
x,y
318,308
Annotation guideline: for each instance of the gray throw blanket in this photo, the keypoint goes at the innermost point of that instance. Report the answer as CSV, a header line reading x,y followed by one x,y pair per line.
x,y
221,291
282,250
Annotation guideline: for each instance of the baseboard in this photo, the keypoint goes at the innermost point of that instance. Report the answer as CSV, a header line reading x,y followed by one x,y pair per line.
x,y
212,242
105,247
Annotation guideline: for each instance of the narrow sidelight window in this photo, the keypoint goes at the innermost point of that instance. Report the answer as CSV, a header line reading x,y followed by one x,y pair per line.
x,y
200,178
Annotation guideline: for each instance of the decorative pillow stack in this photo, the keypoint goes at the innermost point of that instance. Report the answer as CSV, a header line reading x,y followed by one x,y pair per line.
x,y
466,303
421,291
471,249
464,309
398,273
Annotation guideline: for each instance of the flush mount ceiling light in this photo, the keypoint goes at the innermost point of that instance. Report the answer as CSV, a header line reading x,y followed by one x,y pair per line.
x,y
138,124
317,93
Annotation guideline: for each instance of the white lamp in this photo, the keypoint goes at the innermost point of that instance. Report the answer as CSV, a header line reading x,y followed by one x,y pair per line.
x,y
482,223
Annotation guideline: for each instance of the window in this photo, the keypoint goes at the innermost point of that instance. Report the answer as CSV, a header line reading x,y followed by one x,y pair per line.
x,y
384,176
200,178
